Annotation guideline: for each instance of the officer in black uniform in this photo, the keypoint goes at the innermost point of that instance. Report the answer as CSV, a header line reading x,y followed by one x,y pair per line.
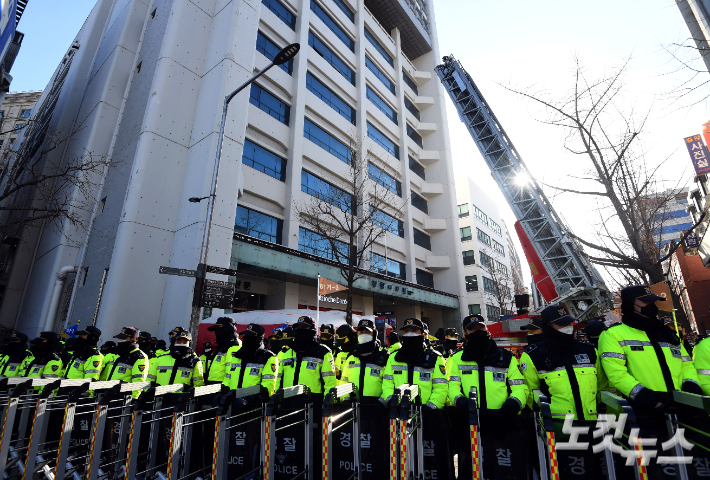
x,y
327,337
450,345
145,343
593,329
345,343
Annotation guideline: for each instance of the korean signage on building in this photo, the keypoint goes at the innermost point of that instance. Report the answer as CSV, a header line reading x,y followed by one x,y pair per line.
x,y
698,154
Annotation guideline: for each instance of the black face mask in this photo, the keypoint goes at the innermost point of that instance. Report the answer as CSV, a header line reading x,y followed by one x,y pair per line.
x,y
250,344
556,338
412,345
14,348
450,344
39,349
650,311
180,351
275,346
534,338
477,344
124,347
303,339
80,344
226,340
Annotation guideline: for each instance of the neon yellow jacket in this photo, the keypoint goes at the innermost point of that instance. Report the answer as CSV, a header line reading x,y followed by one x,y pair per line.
x,y
86,365
368,380
261,369
219,365
701,360
314,368
14,368
166,370
428,371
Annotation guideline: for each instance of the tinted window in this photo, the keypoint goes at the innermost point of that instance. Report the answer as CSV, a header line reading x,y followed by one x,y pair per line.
x,y
474,309
379,74
323,190
463,210
269,50
332,25
412,109
420,203
417,168
382,140
371,38
422,239
269,104
315,244
387,266
387,222
326,141
411,133
345,9
381,105
258,225
410,83
378,175
469,257
425,278
465,233
263,160
327,95
483,237
282,12
472,283
328,55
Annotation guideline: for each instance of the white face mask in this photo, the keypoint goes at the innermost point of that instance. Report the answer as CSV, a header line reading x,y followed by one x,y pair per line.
x,y
568,330
364,338
412,334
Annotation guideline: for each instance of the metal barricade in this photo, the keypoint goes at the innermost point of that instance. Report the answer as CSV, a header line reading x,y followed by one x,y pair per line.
x,y
231,414
618,406
474,426
547,453
406,422
271,468
351,415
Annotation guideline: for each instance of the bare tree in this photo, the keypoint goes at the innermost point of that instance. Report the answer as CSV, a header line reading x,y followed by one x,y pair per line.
x,y
498,283
345,221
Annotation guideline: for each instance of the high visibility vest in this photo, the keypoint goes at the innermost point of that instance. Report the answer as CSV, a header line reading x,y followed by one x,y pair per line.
x,y
339,367
701,360
427,370
160,351
394,348
217,368
261,369
49,366
132,367
108,362
632,361
314,368
499,374
572,378
85,365
166,370
15,366
366,372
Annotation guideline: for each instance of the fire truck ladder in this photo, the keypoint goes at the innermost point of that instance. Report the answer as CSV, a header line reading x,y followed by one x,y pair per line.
x,y
577,282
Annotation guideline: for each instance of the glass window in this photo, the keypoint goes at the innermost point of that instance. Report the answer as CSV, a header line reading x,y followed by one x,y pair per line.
x,y
381,177
489,285
382,140
387,266
327,95
463,210
269,49
498,247
474,309
412,109
492,313
323,190
269,104
258,225
315,244
373,41
345,9
502,269
425,278
671,228
486,260
328,55
422,239
410,83
332,25
495,227
379,74
483,237
2,114
263,160
381,105
671,215
420,203
387,222
326,141
25,113
411,133
465,233
18,127
278,9
469,257
472,283
416,167
12,143
481,216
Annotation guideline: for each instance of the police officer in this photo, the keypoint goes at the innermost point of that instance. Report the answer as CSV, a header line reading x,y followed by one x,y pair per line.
x,y
437,340
287,339
88,360
225,331
129,363
16,357
345,341
145,343
307,362
501,393
161,348
252,364
701,360
207,356
180,365
275,341
593,329
45,362
327,337
450,345
365,365
643,358
393,342
534,330
568,371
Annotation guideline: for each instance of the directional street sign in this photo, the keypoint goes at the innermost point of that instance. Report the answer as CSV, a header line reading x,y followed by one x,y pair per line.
x,y
182,272
217,294
219,270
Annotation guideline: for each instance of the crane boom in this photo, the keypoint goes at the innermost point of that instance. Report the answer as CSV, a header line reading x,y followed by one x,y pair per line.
x,y
576,281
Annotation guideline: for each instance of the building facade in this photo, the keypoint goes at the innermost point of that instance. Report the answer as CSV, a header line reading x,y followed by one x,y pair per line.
x,y
667,214
14,115
144,84
697,18
488,254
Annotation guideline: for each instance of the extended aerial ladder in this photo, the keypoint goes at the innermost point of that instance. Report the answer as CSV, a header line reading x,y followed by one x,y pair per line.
x,y
562,271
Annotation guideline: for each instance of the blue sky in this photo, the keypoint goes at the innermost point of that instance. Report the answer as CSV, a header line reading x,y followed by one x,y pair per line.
x,y
522,43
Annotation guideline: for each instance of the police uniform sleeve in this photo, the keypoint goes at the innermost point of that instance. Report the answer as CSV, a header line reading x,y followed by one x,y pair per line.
x,y
701,360
388,380
197,377
270,374
92,366
516,383
602,380
440,387
688,371
529,371
614,364
454,372
345,372
227,380
328,372
152,371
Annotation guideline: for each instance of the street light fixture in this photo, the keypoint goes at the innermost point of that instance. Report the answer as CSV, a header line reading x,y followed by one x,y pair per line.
x,y
282,57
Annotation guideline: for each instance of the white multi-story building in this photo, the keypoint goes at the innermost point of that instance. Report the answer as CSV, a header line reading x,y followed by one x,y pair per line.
x,y
144,83
487,250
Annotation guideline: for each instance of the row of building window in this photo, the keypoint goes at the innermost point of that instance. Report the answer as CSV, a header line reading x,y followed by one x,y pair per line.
x,y
269,49
492,313
317,87
464,211
482,237
24,113
332,25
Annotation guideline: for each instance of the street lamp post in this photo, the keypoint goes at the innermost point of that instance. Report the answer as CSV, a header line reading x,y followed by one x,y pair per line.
x,y
282,57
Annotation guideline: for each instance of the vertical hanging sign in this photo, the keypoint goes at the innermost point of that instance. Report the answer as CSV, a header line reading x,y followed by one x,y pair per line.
x,y
698,154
